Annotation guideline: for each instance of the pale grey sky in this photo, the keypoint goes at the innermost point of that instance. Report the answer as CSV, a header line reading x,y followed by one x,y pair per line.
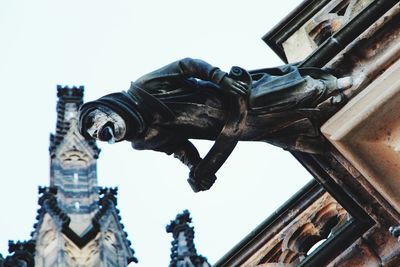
x,y
104,45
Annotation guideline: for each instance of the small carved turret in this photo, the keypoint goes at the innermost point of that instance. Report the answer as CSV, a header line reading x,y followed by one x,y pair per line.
x,y
183,251
21,254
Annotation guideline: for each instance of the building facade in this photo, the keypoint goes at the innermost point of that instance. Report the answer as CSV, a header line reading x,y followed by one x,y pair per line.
x,y
342,217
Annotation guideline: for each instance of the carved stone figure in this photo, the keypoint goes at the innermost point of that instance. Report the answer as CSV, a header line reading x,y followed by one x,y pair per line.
x,y
191,99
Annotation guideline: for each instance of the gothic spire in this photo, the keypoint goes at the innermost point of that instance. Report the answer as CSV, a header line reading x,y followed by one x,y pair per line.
x,y
78,223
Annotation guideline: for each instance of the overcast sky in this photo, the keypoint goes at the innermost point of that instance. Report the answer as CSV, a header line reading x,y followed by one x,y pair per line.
x,y
103,45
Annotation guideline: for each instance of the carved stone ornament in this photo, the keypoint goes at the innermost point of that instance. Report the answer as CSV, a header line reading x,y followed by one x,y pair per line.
x,y
190,99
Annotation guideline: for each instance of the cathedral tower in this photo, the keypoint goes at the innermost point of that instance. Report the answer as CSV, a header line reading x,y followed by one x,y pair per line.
x,y
78,222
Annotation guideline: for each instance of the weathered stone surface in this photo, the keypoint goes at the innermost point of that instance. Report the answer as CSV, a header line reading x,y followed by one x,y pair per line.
x,y
299,46
359,254
329,20
292,244
366,131
384,245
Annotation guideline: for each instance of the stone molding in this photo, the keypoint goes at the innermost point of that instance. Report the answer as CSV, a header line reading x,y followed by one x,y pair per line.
x,y
367,132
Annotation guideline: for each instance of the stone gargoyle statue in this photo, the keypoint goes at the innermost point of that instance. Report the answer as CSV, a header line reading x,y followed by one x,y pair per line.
x,y
191,99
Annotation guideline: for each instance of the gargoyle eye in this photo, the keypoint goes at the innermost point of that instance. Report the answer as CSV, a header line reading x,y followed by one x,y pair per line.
x,y
89,121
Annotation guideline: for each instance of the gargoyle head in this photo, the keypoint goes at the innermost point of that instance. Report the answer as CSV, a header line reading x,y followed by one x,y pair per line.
x,y
111,118
103,124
